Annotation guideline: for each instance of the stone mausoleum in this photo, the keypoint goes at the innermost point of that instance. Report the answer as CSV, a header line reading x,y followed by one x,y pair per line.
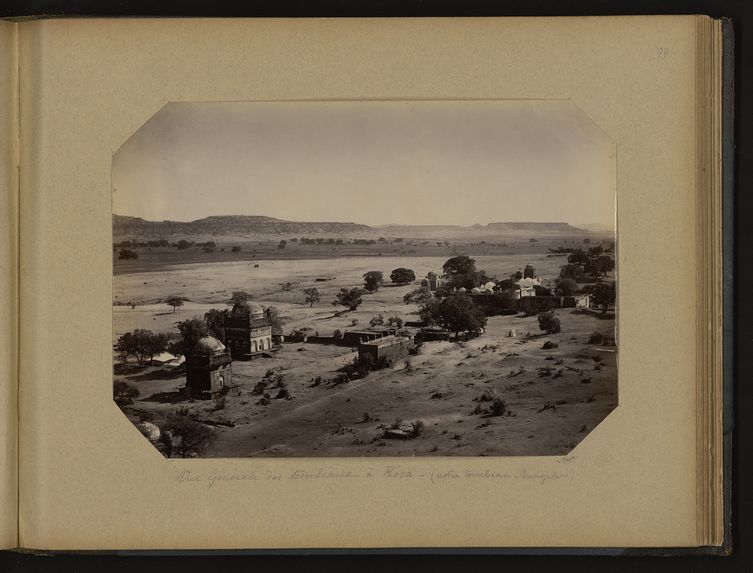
x,y
208,368
248,330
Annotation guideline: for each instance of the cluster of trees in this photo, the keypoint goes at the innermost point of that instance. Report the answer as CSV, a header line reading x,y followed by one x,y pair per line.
x,y
456,313
418,296
602,294
372,280
349,298
127,254
150,244
402,276
587,264
142,344
460,272
379,320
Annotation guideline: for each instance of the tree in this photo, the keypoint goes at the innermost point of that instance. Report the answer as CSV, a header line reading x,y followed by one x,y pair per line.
x,y
215,321
605,264
458,313
402,276
312,295
428,310
574,272
396,320
578,257
541,290
191,331
418,296
175,302
566,287
461,272
273,314
141,344
154,343
235,249
377,320
183,244
372,280
548,322
517,275
349,298
460,265
604,294
239,297
127,254
282,244
506,284
596,251
123,393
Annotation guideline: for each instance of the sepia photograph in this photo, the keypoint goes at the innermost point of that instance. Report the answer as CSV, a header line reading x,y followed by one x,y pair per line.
x,y
365,278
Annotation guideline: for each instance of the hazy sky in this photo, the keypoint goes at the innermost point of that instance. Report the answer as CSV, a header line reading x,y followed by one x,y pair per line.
x,y
369,162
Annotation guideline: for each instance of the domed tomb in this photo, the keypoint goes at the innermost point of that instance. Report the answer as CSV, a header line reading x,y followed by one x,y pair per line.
x,y
248,330
208,368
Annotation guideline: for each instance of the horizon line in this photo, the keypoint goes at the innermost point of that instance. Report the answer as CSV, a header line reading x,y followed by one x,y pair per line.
x,y
380,225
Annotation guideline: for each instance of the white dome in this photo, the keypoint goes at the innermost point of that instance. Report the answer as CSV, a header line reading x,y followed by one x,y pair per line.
x,y
149,430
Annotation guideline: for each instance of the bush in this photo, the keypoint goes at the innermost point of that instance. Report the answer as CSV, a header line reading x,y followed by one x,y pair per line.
x,y
338,334
497,407
194,435
235,250
123,393
377,320
127,254
549,323
548,345
417,427
596,338
395,320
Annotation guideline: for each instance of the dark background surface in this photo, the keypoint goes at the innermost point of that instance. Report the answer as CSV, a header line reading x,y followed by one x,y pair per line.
x,y
741,558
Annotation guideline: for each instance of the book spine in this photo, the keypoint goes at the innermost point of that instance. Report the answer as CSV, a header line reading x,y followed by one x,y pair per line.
x,y
9,286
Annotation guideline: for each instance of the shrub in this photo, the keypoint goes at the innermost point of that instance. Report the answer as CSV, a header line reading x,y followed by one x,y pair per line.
x,y
416,428
497,407
194,435
372,280
377,320
127,254
396,320
236,250
123,393
596,338
548,322
338,334
548,345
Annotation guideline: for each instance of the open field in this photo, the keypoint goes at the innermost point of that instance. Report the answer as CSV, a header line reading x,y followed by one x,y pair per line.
x,y
160,258
553,397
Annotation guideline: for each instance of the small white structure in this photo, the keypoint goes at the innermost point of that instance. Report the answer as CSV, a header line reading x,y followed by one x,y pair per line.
x,y
527,286
163,358
150,431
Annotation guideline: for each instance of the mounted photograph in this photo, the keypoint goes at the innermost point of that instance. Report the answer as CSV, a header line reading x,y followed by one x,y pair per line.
x,y
365,278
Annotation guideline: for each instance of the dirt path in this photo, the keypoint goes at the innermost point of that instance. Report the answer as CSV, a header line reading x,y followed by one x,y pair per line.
x,y
231,442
